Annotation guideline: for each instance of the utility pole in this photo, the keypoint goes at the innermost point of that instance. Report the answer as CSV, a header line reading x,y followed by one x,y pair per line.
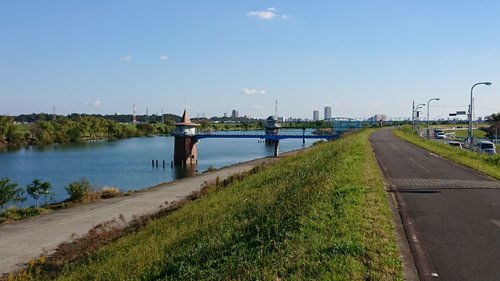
x,y
413,117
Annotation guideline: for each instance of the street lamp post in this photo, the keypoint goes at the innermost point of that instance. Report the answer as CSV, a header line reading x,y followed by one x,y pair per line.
x,y
428,133
417,107
469,133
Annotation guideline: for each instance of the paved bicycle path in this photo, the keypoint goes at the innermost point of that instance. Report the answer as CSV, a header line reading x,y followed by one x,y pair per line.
x,y
21,241
450,213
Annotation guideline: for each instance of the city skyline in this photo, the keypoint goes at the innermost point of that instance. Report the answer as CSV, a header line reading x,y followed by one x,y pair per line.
x,y
359,58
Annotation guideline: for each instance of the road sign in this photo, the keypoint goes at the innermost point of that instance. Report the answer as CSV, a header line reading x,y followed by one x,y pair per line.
x,y
453,114
461,113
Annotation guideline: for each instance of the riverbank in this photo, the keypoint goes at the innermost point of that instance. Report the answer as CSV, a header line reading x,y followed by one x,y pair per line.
x,y
46,232
321,214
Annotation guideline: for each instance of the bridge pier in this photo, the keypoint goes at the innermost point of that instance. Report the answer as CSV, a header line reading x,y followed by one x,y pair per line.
x,y
276,148
185,150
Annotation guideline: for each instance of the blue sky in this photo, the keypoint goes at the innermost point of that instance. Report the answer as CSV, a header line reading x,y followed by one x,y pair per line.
x,y
360,57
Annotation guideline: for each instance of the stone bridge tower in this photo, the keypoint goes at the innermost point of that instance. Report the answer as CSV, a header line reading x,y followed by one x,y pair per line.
x,y
185,141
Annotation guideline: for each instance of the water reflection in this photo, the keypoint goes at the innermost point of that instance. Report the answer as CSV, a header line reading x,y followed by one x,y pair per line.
x,y
181,172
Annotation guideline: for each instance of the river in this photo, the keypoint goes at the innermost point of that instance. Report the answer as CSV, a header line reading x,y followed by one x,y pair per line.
x,y
126,163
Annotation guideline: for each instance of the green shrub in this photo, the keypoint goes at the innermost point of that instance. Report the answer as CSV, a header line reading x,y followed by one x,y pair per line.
x,y
78,190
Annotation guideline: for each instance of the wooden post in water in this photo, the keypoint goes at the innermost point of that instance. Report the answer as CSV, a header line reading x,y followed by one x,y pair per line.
x,y
152,163
276,145
163,164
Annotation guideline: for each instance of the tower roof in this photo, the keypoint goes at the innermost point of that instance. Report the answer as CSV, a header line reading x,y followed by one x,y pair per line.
x,y
185,121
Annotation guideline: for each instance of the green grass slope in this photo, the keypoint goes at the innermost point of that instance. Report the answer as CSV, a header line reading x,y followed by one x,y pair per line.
x,y
319,215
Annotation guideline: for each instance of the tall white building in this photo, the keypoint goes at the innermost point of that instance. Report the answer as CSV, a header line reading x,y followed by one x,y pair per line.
x,y
328,112
316,115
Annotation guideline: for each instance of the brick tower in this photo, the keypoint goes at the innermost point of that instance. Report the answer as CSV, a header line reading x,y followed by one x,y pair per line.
x,y
185,141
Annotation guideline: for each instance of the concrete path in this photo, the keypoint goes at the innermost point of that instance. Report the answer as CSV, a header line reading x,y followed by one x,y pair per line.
x,y
21,241
451,214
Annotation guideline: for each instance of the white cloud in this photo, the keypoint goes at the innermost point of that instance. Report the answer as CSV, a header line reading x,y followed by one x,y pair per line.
x,y
163,58
267,14
125,58
263,15
252,92
95,103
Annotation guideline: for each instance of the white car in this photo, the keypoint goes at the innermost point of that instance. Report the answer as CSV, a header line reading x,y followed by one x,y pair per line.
x,y
440,135
486,147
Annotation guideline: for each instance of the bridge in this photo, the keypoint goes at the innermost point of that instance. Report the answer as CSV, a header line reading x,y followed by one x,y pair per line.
x,y
268,138
186,138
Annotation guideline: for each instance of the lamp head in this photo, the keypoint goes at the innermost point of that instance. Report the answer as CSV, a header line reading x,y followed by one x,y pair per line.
x,y
487,83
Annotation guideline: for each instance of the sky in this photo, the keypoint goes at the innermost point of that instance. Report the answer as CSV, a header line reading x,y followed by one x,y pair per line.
x,y
360,57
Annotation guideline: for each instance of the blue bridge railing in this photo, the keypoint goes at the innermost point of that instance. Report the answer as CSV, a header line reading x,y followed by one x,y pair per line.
x,y
267,137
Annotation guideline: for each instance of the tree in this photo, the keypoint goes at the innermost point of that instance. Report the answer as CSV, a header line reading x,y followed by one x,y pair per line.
x,y
494,121
38,188
9,192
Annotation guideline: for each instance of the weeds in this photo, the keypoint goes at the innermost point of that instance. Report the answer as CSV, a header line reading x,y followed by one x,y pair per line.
x,y
321,214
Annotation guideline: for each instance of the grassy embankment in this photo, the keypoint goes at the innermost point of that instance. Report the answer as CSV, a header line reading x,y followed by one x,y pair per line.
x,y
485,163
321,214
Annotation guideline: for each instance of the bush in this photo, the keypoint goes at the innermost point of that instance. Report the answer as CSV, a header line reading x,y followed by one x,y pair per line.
x,y
109,192
78,190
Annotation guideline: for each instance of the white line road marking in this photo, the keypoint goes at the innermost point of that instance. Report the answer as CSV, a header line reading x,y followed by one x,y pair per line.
x,y
434,155
496,222
394,146
421,167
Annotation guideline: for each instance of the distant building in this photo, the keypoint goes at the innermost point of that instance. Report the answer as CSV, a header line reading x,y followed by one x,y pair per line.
x,y
316,115
235,114
328,112
225,115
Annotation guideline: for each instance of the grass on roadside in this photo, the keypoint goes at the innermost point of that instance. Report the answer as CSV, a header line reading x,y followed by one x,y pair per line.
x,y
486,163
321,214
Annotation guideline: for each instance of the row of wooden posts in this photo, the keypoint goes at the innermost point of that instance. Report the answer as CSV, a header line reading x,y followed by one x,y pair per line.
x,y
155,163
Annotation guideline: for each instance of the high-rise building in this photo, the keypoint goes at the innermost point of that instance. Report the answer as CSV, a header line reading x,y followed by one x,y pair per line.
x,y
315,115
235,113
328,112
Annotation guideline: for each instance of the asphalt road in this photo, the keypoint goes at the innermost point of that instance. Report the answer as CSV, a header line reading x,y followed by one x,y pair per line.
x,y
451,214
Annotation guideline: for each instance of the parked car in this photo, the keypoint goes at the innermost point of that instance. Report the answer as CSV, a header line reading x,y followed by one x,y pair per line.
x,y
440,135
454,143
437,131
486,147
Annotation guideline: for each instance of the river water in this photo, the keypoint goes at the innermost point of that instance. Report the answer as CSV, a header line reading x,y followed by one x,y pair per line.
x,y
126,163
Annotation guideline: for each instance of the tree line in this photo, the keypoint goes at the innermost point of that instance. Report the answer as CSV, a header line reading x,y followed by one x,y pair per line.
x,y
74,128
